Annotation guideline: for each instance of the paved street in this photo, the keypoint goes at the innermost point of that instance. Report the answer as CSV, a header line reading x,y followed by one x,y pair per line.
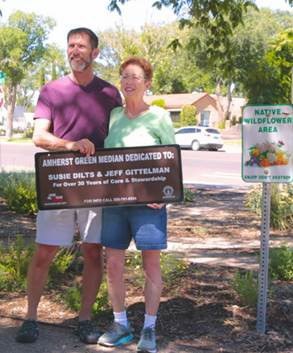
x,y
198,167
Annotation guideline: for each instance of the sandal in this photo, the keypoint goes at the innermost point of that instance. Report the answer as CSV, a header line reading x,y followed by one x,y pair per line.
x,y
28,332
87,332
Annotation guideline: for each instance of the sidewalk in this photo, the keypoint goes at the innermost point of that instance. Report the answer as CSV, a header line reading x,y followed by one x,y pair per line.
x,y
241,252
222,252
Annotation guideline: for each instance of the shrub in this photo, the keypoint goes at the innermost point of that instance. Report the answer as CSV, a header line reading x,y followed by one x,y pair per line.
x,y
28,133
188,115
14,261
281,204
176,124
160,102
234,120
221,124
19,191
281,263
246,286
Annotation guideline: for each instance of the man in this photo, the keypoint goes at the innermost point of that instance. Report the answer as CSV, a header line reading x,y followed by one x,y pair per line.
x,y
71,114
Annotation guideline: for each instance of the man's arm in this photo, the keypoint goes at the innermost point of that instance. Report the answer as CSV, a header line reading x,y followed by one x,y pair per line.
x,y
43,138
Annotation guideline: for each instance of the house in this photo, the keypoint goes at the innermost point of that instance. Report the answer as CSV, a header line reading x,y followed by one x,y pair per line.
x,y
206,106
21,119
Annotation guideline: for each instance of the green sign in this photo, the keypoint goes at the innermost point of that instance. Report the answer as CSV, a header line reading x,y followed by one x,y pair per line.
x,y
267,144
2,77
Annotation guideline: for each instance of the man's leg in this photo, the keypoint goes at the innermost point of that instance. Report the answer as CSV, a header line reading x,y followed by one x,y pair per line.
x,y
36,280
37,277
91,278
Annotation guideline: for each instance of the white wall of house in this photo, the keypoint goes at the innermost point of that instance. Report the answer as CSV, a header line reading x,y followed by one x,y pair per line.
x,y
208,116
21,119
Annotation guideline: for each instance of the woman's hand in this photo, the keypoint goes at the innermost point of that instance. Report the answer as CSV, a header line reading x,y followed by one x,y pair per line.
x,y
156,206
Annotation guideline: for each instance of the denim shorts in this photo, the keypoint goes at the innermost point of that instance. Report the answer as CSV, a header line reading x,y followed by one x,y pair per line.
x,y
146,226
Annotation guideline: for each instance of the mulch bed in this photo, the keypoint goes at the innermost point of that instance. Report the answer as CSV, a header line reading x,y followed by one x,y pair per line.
x,y
200,312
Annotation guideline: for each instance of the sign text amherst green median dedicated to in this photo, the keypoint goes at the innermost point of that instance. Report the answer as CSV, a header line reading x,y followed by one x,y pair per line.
x,y
267,143
113,176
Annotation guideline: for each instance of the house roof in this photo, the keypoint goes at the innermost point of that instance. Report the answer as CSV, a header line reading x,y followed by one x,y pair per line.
x,y
176,101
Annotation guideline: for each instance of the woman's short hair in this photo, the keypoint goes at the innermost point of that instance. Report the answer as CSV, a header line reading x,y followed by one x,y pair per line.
x,y
93,37
141,62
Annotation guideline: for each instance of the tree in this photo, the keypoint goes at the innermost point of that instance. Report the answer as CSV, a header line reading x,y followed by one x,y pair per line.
x,y
280,57
218,19
50,67
22,47
244,67
173,73
263,57
238,61
271,81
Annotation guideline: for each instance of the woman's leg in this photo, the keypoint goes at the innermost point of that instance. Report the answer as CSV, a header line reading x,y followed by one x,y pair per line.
x,y
120,332
115,278
153,280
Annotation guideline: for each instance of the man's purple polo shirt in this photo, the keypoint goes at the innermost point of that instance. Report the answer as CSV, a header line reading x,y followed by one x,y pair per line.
x,y
76,111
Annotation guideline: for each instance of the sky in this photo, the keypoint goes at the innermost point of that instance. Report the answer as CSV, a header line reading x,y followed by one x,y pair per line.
x,y
95,15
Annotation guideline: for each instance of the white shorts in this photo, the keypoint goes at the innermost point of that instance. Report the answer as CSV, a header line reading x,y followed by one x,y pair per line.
x,y
58,227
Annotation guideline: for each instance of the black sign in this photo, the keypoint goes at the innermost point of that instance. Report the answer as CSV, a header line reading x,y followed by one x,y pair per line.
x,y
112,176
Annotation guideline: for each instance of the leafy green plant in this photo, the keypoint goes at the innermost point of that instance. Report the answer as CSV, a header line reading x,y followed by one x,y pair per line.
x,y
281,204
19,191
189,195
60,265
281,263
101,303
72,298
171,267
14,260
246,286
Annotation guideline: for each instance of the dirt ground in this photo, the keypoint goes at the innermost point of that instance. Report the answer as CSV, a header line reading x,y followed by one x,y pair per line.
x,y
200,312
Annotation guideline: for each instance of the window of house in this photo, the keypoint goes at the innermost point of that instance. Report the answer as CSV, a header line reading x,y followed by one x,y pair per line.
x,y
205,118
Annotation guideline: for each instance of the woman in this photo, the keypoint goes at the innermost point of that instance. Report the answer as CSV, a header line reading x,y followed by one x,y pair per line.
x,y
137,124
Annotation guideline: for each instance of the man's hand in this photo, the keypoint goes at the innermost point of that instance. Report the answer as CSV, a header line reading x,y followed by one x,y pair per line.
x,y
84,146
45,139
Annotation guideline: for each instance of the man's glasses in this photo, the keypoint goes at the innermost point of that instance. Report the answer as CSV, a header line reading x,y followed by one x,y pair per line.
x,y
136,78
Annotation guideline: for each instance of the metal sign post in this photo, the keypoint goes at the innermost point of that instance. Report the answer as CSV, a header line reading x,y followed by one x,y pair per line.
x,y
264,259
267,157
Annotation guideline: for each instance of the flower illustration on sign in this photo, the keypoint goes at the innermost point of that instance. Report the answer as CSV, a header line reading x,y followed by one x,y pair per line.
x,y
267,154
